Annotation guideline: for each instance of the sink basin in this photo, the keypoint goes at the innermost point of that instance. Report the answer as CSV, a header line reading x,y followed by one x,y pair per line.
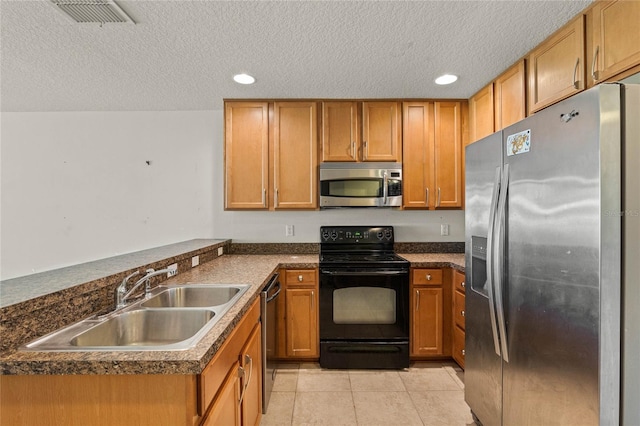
x,y
145,327
173,318
196,296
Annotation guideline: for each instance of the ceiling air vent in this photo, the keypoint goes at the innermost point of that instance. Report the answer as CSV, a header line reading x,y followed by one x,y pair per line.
x,y
93,11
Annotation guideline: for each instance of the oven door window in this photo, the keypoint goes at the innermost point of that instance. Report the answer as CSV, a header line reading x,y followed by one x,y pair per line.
x,y
364,305
364,188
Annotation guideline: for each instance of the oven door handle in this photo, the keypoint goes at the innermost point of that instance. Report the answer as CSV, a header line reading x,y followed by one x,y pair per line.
x,y
362,273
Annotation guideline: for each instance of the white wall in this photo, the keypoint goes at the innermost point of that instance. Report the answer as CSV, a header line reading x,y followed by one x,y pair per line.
x,y
76,187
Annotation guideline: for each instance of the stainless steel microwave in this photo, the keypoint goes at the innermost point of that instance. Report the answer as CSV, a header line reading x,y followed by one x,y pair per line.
x,y
360,185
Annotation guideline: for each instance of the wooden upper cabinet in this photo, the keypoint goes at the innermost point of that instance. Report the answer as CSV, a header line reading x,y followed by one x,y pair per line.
x,y
246,155
381,132
340,131
295,155
361,131
556,66
509,102
417,144
447,186
615,41
432,142
481,114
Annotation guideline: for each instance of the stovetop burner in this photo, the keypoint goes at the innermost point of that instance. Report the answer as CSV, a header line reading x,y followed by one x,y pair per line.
x,y
358,246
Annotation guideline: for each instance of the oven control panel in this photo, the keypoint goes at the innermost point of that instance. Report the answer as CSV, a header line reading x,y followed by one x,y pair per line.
x,y
356,234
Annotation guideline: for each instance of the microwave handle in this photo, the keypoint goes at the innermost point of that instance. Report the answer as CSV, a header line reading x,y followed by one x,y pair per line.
x,y
385,188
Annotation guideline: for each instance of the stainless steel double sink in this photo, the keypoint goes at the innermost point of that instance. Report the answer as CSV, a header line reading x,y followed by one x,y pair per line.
x,y
170,318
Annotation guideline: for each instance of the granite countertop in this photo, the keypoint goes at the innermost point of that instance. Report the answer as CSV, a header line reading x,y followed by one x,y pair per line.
x,y
228,269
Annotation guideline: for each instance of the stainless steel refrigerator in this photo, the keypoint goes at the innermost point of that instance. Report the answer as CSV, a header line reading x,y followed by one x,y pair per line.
x,y
552,236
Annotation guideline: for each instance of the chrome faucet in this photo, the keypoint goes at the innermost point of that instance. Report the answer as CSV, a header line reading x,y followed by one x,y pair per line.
x,y
122,294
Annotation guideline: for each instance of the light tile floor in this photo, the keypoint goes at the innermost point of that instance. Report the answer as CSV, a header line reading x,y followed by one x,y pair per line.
x,y
424,394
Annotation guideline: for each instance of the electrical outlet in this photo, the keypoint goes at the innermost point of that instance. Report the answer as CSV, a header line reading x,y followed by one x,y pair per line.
x,y
195,261
288,230
220,251
173,269
444,229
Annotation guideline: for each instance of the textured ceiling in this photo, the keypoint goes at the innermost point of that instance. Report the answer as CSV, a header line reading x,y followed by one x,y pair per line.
x,y
181,55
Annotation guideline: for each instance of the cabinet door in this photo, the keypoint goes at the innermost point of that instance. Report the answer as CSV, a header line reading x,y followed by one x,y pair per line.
x,y
616,38
225,410
381,133
510,89
340,131
458,346
417,144
295,154
556,67
481,114
246,155
458,309
251,382
427,327
447,185
302,322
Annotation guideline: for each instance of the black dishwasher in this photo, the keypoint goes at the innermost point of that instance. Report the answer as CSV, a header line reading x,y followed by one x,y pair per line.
x,y
268,315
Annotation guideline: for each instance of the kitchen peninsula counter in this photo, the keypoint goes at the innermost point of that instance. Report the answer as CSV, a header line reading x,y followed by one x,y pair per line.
x,y
253,269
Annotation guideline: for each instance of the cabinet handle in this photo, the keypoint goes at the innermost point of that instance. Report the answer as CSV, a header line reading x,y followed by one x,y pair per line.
x,y
300,278
594,73
462,284
247,360
576,83
313,298
417,299
428,277
427,201
462,313
365,150
462,351
241,374
276,198
438,203
264,197
353,150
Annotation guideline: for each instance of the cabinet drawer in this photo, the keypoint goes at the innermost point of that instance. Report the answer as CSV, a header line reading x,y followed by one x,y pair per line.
x,y
458,345
458,309
300,277
426,276
458,281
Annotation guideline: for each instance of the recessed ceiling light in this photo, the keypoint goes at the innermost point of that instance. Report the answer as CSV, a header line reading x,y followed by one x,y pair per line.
x,y
244,79
446,79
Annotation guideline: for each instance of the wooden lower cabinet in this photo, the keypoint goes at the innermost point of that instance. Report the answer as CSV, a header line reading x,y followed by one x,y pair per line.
x,y
225,409
458,350
458,346
430,318
302,337
427,322
210,398
251,379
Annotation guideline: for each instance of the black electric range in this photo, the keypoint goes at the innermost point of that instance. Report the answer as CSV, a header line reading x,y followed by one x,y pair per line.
x,y
364,299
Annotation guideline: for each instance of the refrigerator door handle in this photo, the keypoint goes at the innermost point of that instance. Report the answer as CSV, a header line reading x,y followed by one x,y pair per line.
x,y
499,259
489,283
